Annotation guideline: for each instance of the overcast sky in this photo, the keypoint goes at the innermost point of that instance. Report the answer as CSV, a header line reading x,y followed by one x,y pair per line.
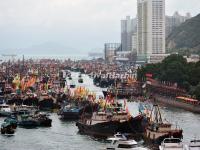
x,y
79,24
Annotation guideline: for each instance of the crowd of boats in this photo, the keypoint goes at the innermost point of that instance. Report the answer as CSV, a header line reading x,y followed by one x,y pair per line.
x,y
28,90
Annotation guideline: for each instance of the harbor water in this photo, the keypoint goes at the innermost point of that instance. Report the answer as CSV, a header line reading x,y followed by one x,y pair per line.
x,y
64,135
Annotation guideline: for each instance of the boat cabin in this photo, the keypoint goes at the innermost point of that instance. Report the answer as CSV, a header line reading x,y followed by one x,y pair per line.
x,y
120,142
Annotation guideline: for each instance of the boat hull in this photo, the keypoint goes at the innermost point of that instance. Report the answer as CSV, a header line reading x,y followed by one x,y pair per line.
x,y
28,124
106,129
46,104
102,130
158,139
70,115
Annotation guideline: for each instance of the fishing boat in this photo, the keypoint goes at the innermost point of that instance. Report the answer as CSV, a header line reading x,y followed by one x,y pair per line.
x,y
69,112
123,91
120,142
80,80
26,121
30,99
72,84
172,144
5,110
24,110
6,128
157,130
103,124
14,98
42,119
46,101
12,120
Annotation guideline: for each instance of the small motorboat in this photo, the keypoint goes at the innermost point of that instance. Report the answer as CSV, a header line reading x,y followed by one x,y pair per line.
x,y
194,145
120,142
5,110
6,128
72,84
172,144
80,80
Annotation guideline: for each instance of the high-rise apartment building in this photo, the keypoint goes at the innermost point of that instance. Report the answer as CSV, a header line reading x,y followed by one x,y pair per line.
x,y
150,28
175,21
128,28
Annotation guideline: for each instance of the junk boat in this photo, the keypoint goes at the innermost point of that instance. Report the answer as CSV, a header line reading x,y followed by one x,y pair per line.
x,y
30,99
157,130
120,142
103,124
172,144
46,101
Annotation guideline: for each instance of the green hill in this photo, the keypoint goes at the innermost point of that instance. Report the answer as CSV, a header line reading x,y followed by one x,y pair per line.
x,y
185,38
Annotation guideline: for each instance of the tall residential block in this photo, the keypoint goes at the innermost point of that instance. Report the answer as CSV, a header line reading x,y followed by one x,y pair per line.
x,y
150,28
174,21
128,28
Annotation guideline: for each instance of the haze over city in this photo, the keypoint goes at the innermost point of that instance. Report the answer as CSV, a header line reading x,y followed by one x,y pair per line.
x,y
80,25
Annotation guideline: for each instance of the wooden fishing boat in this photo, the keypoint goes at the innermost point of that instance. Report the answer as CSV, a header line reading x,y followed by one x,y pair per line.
x,y
106,123
46,101
157,130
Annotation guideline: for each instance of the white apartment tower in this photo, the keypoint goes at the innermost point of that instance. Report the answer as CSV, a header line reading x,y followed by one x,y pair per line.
x,y
150,28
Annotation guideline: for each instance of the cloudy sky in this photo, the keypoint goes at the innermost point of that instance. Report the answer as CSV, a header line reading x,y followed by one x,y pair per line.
x,y
79,24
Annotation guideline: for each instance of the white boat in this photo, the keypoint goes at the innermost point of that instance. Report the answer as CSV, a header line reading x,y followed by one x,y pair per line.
x,y
194,145
120,142
172,144
5,110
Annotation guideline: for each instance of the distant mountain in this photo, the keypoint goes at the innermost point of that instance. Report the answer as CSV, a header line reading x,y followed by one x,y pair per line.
x,y
47,48
186,37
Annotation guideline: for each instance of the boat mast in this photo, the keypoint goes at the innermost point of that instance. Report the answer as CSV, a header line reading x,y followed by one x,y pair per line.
x,y
157,118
